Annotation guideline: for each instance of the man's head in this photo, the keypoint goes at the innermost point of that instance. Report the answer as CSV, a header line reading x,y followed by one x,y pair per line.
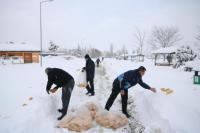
x,y
142,70
87,57
47,70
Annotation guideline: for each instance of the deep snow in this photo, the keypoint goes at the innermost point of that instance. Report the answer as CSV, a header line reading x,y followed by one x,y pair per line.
x,y
158,113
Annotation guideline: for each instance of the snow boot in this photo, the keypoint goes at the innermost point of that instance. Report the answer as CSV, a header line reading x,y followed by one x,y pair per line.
x,y
106,108
127,115
63,114
91,95
87,93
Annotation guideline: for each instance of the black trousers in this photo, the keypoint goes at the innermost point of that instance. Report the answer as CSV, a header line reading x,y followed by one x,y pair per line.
x,y
115,91
66,94
90,88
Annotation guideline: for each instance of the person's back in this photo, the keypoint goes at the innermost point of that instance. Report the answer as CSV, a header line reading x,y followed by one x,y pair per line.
x,y
90,68
131,78
59,76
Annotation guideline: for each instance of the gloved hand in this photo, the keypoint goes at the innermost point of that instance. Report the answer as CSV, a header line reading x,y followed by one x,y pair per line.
x,y
53,90
153,90
122,92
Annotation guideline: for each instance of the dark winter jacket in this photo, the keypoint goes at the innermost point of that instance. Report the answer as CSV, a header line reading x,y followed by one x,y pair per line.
x,y
58,77
90,69
131,78
98,61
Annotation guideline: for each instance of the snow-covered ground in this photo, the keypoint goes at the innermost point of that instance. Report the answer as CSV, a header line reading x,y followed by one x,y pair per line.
x,y
154,113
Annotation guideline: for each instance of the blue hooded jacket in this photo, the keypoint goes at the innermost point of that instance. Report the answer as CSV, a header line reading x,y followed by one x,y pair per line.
x,y
131,78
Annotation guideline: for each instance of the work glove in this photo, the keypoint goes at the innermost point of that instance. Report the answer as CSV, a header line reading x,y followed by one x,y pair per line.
x,y
53,90
122,92
153,90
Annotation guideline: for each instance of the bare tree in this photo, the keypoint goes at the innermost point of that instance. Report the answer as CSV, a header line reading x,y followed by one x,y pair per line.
x,y
124,51
94,53
78,52
140,37
164,37
198,34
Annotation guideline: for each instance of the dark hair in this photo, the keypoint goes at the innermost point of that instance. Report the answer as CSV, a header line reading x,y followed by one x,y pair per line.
x,y
142,68
87,56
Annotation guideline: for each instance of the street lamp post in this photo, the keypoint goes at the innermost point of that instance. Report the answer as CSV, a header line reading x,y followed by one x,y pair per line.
x,y
41,2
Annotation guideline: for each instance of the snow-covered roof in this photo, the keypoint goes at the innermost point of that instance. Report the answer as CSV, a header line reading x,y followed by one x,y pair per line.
x,y
165,50
18,47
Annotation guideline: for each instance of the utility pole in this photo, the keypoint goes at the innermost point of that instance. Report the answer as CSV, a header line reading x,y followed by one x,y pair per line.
x,y
41,2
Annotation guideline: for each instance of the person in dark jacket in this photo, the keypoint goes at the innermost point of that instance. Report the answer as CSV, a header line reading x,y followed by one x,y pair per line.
x,y
98,61
121,85
62,80
90,72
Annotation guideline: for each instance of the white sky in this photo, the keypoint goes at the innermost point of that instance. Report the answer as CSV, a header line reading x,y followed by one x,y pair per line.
x,y
95,23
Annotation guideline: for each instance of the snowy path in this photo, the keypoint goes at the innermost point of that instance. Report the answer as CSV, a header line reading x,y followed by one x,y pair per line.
x,y
103,87
134,125
102,83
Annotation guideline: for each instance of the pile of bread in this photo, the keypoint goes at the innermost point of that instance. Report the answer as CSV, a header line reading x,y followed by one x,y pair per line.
x,y
82,118
167,91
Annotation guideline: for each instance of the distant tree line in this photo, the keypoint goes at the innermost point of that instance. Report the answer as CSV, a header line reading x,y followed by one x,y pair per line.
x,y
159,37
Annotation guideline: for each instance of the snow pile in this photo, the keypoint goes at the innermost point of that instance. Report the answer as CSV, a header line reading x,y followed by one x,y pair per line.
x,y
81,119
70,57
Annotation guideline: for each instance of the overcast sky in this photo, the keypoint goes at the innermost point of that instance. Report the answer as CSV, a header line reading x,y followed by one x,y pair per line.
x,y
95,23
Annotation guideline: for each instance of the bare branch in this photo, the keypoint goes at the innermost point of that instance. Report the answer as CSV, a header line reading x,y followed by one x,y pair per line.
x,y
165,36
140,37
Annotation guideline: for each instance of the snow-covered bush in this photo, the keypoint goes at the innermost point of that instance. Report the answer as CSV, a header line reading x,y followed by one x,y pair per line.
x,y
184,54
53,47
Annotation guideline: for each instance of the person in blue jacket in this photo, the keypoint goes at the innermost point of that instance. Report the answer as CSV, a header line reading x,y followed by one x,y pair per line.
x,y
121,85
